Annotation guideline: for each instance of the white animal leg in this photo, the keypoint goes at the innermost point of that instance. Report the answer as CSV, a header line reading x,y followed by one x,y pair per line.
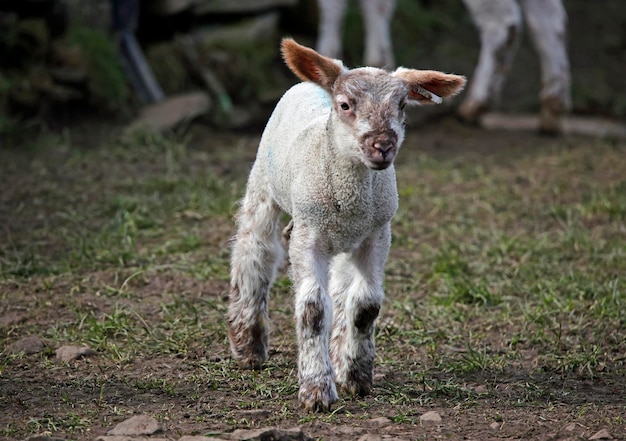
x,y
314,315
329,29
356,285
377,16
547,21
500,25
255,256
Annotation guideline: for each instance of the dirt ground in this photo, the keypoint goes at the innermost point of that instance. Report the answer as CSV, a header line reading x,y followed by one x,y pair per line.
x,y
158,330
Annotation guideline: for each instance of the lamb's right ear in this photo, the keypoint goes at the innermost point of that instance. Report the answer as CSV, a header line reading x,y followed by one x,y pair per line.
x,y
308,65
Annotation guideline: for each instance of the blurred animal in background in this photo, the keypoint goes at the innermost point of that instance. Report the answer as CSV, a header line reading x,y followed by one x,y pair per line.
x,y
500,24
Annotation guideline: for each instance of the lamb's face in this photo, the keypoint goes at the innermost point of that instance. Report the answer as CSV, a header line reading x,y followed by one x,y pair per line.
x,y
370,102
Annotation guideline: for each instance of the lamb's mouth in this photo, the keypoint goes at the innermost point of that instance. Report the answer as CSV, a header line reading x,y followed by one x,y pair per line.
x,y
379,150
374,164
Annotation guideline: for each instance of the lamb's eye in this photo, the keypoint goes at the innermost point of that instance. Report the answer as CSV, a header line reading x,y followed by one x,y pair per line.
x,y
344,106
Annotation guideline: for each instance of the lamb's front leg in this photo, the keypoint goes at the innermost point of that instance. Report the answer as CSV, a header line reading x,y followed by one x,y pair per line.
x,y
356,286
313,321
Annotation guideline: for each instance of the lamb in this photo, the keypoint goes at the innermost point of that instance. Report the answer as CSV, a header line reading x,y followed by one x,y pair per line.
x,y
500,26
325,158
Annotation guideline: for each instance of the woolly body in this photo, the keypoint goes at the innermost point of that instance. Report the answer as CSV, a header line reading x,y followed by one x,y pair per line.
x,y
311,178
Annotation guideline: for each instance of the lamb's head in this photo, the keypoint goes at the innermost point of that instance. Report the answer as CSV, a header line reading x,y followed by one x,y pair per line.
x,y
369,102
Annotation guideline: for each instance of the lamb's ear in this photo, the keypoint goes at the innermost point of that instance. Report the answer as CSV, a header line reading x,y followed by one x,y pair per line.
x,y
430,86
308,65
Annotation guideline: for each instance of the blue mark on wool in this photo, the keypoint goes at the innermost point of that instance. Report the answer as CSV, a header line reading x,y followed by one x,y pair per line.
x,y
323,96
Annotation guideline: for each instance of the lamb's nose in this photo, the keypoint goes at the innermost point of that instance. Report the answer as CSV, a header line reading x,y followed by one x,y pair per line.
x,y
384,147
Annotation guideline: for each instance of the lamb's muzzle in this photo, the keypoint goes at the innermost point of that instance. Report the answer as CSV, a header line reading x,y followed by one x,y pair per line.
x,y
325,158
380,149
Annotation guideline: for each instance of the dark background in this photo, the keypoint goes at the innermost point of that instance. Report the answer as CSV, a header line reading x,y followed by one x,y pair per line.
x,y
40,38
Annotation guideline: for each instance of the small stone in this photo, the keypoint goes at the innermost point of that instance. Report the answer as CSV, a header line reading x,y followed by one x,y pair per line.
x,y
380,421
349,430
602,434
137,425
71,353
43,437
199,438
203,7
370,437
571,427
494,425
430,417
130,438
255,413
267,434
28,345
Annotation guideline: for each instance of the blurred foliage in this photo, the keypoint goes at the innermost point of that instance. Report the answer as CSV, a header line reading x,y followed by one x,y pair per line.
x,y
107,83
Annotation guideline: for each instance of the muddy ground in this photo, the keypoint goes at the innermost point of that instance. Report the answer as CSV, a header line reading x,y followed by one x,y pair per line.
x,y
122,246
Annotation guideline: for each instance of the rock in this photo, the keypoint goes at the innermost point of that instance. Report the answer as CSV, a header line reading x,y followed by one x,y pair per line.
x,y
199,438
134,438
267,434
495,425
202,7
370,437
43,437
238,6
245,32
255,413
71,353
28,345
169,7
137,425
430,417
172,112
602,434
349,430
380,421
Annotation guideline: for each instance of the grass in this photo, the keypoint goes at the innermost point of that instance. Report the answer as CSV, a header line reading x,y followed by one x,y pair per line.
x,y
505,286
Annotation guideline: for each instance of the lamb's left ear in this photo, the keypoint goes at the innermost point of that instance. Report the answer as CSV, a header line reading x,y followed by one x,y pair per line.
x,y
429,86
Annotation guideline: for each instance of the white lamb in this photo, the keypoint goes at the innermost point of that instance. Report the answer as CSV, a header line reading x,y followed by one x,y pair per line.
x,y
326,158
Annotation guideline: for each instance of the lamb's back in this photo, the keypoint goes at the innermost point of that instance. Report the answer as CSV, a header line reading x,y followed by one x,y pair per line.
x,y
290,143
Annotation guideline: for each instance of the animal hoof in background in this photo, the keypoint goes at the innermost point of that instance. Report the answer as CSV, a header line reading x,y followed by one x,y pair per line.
x,y
317,397
551,117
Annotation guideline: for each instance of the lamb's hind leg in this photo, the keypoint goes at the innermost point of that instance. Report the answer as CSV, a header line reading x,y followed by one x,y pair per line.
x,y
255,256
356,286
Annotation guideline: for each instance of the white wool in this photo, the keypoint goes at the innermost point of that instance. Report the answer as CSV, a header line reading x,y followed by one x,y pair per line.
x,y
314,173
